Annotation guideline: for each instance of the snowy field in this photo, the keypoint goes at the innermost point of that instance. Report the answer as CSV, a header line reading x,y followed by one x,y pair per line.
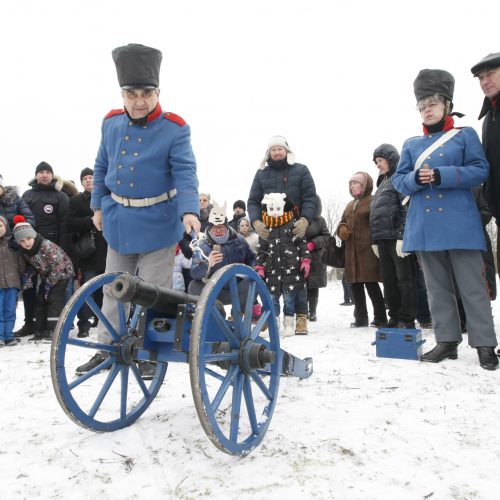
x,y
361,427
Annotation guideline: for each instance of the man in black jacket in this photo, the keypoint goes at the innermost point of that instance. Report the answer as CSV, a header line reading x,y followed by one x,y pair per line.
x,y
79,223
488,73
279,173
49,204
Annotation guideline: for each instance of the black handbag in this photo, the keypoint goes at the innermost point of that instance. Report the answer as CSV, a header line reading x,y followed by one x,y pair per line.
x,y
334,255
85,245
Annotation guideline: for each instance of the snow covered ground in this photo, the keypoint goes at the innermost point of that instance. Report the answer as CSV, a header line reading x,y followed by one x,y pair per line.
x,y
361,427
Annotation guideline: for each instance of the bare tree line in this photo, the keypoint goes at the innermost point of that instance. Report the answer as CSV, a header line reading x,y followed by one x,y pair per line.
x,y
333,208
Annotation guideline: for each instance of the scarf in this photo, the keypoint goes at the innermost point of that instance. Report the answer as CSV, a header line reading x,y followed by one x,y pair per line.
x,y
220,240
276,222
447,123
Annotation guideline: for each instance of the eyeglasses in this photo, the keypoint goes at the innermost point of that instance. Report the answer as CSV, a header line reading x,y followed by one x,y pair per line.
x,y
136,94
430,102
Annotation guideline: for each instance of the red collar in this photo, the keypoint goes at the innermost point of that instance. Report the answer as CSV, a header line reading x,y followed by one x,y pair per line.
x,y
449,123
155,113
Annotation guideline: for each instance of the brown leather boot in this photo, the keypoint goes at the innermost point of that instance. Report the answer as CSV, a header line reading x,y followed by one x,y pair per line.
x,y
301,324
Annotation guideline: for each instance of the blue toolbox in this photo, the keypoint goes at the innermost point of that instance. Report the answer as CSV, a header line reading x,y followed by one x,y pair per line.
x,y
398,343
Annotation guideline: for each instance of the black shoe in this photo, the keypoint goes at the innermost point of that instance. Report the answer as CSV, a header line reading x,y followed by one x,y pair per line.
x,y
147,370
442,351
313,317
26,330
378,323
47,336
82,334
359,324
426,324
93,362
10,342
392,323
346,303
37,337
487,358
408,325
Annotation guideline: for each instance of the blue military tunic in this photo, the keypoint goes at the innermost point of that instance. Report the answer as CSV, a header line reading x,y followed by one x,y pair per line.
x,y
144,161
443,216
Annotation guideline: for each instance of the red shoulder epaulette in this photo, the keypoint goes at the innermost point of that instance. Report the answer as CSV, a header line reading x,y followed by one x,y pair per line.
x,y
114,112
175,118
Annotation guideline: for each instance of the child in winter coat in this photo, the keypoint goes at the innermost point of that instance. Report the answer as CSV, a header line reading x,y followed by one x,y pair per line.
x,y
247,231
182,266
283,261
54,269
11,264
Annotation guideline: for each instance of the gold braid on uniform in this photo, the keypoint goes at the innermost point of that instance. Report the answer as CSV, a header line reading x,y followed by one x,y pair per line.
x,y
276,222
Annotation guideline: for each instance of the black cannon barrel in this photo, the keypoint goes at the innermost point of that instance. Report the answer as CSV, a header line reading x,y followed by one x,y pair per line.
x,y
128,288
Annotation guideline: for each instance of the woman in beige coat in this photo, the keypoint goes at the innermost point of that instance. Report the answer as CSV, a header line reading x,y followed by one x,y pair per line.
x,y
361,264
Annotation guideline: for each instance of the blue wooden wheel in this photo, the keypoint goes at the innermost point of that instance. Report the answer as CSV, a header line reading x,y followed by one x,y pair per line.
x,y
234,368
112,395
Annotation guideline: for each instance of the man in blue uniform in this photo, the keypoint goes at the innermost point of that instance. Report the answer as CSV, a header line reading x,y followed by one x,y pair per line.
x,y
145,191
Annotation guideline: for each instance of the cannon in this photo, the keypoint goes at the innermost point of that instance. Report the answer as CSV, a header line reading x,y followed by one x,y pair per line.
x,y
235,361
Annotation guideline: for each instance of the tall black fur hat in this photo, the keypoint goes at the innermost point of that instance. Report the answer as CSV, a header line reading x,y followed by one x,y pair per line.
x,y
137,66
434,81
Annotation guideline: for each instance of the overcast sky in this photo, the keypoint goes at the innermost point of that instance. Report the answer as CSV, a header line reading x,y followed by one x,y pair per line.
x,y
335,78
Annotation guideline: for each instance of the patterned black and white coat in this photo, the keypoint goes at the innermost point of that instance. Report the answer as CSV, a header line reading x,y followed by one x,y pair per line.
x,y
281,256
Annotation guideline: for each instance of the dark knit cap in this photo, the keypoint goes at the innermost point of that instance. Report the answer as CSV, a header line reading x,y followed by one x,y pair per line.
x,y
86,171
44,166
240,204
488,62
434,81
137,66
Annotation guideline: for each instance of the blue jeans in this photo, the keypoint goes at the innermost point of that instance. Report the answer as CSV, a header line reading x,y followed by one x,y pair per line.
x,y
295,302
8,303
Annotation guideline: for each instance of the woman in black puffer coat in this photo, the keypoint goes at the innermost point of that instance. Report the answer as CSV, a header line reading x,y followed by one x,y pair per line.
x,y
387,224
12,204
317,235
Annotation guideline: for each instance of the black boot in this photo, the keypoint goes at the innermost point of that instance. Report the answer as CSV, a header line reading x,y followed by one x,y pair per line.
x,y
27,329
359,323
82,333
313,304
487,358
392,323
442,351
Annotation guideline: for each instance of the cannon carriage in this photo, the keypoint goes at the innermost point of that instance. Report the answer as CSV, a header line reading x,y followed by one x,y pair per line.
x,y
235,362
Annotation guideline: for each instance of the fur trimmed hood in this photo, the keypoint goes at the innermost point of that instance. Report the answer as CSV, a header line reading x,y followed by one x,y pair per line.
x,y
59,184
10,195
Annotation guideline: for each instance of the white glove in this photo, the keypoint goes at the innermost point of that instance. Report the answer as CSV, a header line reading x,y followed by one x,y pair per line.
x,y
375,250
399,249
